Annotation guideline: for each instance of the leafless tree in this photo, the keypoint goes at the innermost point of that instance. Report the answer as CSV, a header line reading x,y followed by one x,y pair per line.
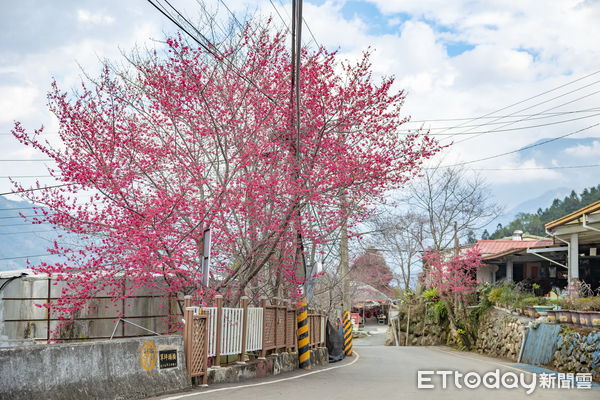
x,y
449,197
400,237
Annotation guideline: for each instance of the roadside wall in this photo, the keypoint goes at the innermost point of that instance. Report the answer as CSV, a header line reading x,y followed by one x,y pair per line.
x,y
423,329
578,351
572,349
116,369
274,364
500,334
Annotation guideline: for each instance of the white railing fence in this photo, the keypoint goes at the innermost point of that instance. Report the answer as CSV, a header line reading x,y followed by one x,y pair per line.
x,y
212,330
231,331
254,335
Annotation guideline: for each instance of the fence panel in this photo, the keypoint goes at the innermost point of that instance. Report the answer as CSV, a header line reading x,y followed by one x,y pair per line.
x,y
291,328
280,321
255,329
231,337
197,363
211,313
323,329
269,328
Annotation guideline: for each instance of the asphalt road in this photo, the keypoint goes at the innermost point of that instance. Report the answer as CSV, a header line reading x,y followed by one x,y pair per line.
x,y
381,372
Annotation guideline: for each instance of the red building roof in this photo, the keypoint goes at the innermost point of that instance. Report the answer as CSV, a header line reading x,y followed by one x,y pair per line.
x,y
489,247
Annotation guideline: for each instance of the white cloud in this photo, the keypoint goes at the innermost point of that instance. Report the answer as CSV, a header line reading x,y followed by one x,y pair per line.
x,y
518,172
98,18
584,151
519,49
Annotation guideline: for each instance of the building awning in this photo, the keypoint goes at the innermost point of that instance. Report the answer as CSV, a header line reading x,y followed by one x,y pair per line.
x,y
575,215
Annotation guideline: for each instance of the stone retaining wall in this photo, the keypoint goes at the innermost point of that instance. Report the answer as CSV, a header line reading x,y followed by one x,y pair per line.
x,y
423,329
500,334
578,351
273,365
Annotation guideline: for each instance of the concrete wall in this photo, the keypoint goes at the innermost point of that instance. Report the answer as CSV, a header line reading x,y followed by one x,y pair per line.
x,y
93,370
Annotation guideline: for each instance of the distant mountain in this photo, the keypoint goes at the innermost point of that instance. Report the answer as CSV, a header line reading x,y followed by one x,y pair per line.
x,y
20,239
533,222
532,205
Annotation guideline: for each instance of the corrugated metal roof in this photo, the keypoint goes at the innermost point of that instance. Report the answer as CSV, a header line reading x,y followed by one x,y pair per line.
x,y
490,247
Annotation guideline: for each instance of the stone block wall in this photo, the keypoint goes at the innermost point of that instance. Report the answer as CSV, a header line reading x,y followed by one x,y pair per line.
x,y
500,334
578,351
423,329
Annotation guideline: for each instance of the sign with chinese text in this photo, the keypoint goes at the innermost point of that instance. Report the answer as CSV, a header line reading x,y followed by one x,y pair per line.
x,y
167,358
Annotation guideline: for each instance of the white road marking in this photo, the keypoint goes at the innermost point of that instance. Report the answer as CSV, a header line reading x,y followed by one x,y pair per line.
x,y
263,383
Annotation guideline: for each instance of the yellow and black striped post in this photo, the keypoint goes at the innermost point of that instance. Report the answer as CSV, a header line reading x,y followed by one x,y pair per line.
x,y
347,334
303,339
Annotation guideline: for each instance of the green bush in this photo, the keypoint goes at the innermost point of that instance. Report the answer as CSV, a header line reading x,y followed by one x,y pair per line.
x,y
532,301
431,294
495,294
586,303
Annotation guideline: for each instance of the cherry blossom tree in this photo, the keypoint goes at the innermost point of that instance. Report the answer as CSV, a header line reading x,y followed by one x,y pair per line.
x,y
455,278
371,268
189,138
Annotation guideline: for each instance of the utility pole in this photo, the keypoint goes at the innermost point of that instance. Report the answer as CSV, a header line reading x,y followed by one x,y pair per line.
x,y
456,244
344,258
302,310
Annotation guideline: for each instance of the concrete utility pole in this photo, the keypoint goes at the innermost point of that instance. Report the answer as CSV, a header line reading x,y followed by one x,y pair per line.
x,y
456,244
344,259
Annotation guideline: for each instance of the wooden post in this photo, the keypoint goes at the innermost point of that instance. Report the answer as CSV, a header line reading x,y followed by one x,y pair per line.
x,y
276,316
219,305
244,301
286,310
264,303
407,326
188,314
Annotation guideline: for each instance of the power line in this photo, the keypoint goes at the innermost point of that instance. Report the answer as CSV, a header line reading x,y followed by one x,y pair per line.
x,y
19,216
536,168
213,52
538,104
17,208
478,133
35,189
21,233
31,159
280,17
25,176
536,116
21,257
530,98
522,148
23,224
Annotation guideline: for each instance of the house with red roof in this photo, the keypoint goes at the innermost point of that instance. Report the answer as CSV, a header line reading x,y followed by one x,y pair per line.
x,y
522,257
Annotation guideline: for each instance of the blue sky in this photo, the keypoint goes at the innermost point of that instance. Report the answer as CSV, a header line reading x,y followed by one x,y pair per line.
x,y
455,59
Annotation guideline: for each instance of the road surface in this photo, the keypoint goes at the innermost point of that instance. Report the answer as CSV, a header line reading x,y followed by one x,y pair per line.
x,y
381,373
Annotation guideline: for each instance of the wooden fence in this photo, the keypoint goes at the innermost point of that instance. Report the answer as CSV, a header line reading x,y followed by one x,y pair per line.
x,y
238,331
